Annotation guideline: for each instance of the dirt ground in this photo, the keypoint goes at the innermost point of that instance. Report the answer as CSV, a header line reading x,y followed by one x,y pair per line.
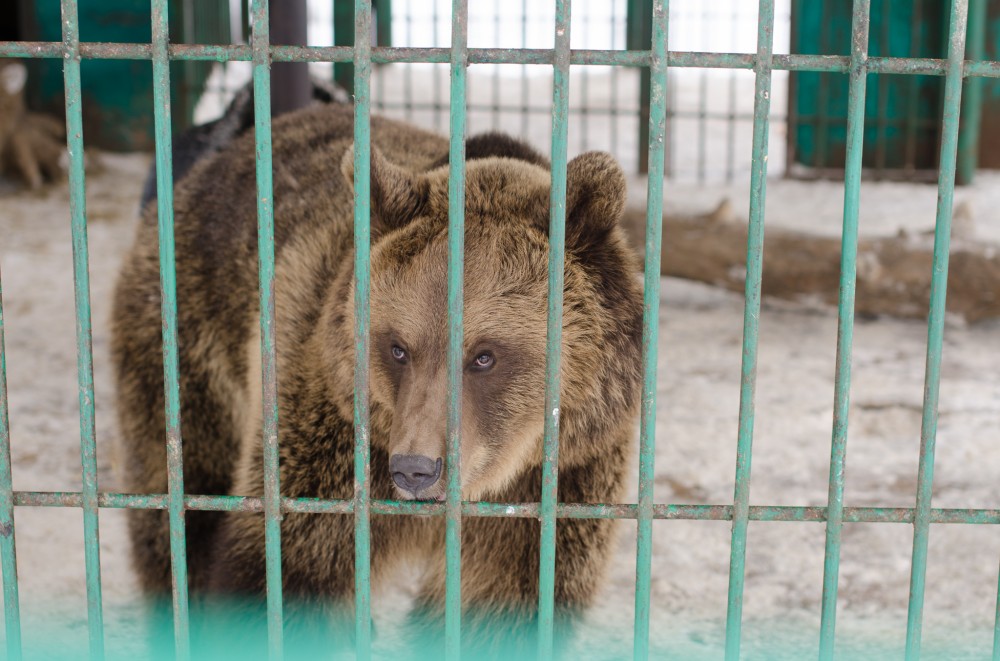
x,y
699,380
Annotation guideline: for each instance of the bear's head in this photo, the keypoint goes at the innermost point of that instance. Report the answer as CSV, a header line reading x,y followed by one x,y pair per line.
x,y
504,315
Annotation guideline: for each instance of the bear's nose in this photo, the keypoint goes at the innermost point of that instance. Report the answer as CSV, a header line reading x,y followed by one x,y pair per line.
x,y
414,472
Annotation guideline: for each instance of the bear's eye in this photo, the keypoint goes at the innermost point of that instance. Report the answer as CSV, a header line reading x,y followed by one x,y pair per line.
x,y
399,353
484,361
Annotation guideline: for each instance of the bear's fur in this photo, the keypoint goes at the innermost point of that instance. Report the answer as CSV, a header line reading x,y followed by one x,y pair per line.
x,y
506,252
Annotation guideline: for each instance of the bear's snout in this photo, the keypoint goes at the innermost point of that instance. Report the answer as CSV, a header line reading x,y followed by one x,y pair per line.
x,y
414,472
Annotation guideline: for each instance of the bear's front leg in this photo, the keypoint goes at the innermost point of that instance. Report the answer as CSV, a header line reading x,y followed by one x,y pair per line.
x,y
317,577
318,586
500,561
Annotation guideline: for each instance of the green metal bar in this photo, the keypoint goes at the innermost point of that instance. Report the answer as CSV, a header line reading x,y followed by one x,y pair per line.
x,y
751,319
822,132
882,98
845,322
731,109
614,88
913,88
639,36
924,66
362,320
661,511
456,357
408,71
553,334
972,99
343,34
435,77
650,325
168,303
8,550
260,37
383,22
84,341
935,324
495,78
524,69
996,624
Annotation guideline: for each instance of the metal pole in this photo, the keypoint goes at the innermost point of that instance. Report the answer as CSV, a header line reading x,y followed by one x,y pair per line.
x,y
290,88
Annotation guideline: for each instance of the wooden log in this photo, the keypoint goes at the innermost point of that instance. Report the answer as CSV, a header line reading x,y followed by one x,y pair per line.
x,y
894,273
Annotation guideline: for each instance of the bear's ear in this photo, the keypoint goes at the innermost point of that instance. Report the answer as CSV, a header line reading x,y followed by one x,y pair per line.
x,y
398,195
595,197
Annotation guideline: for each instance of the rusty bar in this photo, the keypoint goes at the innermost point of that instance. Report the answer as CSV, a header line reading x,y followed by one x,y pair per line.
x,y
362,320
553,334
84,336
260,39
650,325
168,313
456,353
751,327
923,66
8,550
996,625
290,86
950,114
845,322
661,511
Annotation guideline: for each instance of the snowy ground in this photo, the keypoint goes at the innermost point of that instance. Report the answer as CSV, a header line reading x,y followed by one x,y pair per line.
x,y
696,433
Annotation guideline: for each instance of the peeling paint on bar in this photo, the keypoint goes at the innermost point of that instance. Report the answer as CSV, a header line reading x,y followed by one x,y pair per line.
x,y
661,511
845,323
168,301
951,111
84,339
456,301
538,56
751,323
362,319
650,327
8,550
260,36
553,333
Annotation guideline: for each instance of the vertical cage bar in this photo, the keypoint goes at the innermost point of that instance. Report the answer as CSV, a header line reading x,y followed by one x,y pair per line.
x,y
650,326
456,261
734,17
553,335
822,119
168,311
751,325
913,97
584,77
495,79
435,70
845,312
972,99
882,96
638,36
362,319
935,325
615,116
996,624
408,71
260,42
8,550
84,342
524,70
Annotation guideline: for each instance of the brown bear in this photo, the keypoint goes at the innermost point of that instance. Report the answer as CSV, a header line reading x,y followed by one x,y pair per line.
x,y
506,252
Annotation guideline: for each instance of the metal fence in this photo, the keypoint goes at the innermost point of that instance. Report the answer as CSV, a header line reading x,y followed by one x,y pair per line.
x,y
857,66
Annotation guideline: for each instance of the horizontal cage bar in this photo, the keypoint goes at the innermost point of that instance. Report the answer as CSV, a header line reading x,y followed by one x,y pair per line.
x,y
541,56
666,511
